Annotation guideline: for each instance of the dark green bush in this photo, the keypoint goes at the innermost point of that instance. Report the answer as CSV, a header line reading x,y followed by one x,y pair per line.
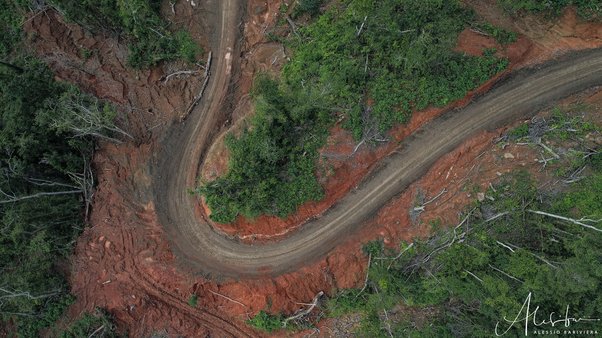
x,y
271,168
266,322
311,7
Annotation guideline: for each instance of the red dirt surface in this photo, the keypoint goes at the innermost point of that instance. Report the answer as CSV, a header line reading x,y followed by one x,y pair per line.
x,y
123,262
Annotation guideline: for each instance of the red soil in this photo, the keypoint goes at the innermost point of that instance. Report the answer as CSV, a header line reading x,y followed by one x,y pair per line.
x,y
123,262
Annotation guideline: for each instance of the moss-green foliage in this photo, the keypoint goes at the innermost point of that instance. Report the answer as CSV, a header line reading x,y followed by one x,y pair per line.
x,y
150,40
587,9
99,324
464,281
402,59
266,322
271,169
501,35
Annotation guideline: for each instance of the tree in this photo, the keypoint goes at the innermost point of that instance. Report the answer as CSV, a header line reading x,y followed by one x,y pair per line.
x,y
83,115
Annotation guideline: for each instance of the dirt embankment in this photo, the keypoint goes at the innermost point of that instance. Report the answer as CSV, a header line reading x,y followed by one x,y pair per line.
x,y
341,169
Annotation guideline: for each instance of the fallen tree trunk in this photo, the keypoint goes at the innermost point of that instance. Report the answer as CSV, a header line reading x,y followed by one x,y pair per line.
x,y
202,91
305,312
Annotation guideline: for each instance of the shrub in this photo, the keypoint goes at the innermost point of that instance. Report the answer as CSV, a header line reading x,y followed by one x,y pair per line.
x,y
193,300
504,37
311,7
266,322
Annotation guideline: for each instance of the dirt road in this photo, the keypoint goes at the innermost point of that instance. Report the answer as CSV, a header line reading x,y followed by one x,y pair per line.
x,y
210,253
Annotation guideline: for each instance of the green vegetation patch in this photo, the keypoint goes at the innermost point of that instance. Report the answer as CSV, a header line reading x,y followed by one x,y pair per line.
x,y
12,13
150,40
266,322
502,36
310,7
399,53
272,164
193,300
587,9
45,183
99,324
395,53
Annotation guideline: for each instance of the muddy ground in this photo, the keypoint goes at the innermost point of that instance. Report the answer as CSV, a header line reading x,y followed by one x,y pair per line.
x,y
123,262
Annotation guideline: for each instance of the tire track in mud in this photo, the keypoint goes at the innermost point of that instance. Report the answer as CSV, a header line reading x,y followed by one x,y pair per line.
x,y
205,251
140,283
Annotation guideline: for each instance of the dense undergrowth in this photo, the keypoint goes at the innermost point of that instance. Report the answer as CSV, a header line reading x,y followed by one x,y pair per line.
x,y
369,62
46,182
587,9
149,39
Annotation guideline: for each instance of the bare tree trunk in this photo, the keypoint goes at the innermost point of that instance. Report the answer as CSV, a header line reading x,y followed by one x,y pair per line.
x,y
571,220
305,312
